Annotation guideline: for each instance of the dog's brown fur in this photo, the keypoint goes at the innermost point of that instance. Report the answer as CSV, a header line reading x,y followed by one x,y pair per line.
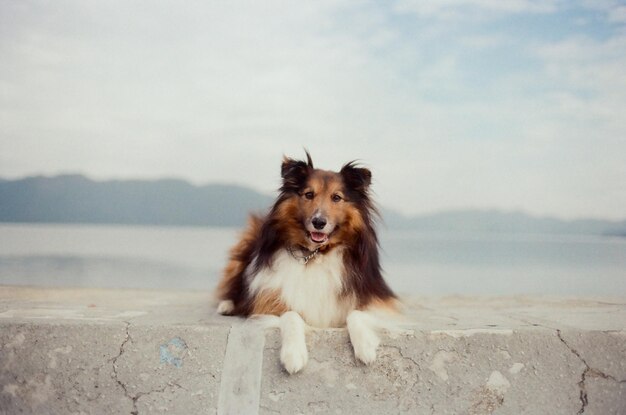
x,y
344,198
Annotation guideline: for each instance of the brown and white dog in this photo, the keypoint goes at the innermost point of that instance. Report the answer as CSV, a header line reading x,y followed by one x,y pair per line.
x,y
313,259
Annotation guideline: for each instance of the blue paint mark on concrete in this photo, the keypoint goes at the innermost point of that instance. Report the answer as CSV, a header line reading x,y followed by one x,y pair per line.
x,y
173,352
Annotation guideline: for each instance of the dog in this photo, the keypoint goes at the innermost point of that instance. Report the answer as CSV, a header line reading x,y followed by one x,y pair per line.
x,y
312,260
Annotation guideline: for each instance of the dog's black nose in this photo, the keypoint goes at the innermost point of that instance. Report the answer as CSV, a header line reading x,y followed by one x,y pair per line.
x,y
319,223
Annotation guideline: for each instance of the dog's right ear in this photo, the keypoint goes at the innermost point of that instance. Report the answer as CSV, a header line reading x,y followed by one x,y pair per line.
x,y
295,173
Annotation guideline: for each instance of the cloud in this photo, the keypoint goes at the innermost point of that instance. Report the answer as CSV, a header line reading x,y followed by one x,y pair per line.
x,y
617,14
484,41
592,70
463,9
447,116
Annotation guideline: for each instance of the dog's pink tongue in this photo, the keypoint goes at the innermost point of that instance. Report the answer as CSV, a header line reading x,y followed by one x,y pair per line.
x,y
318,236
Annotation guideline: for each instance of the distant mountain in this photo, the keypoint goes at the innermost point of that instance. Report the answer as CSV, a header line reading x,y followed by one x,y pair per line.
x,y
492,221
77,199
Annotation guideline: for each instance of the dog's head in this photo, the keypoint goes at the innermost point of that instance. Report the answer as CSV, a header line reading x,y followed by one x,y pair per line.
x,y
320,208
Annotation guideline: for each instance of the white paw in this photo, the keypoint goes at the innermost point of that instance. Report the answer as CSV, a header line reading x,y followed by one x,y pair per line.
x,y
365,344
294,356
365,350
225,307
362,336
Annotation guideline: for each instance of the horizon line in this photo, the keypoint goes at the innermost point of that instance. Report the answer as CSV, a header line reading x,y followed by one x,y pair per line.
x,y
466,209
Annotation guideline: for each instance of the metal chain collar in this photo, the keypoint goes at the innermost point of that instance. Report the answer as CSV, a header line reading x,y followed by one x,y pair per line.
x,y
306,258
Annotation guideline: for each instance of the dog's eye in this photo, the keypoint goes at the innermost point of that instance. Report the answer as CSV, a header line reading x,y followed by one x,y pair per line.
x,y
335,198
309,195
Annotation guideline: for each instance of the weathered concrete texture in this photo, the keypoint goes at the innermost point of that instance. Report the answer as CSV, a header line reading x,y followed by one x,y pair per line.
x,y
429,373
128,351
60,369
602,383
171,369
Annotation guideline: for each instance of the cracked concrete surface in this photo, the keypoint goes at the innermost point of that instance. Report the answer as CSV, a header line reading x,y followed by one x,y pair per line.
x,y
102,352
115,375
136,352
134,397
483,375
33,382
602,381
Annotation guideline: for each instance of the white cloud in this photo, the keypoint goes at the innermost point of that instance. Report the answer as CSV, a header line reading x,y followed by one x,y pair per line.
x,y
593,69
617,14
459,9
480,42
219,91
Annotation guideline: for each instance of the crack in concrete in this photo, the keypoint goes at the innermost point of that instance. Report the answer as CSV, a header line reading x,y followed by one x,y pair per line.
x,y
160,390
529,322
588,372
399,349
412,380
599,374
115,376
134,398
609,303
584,399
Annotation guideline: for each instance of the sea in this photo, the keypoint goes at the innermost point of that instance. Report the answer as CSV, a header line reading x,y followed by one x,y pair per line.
x,y
192,258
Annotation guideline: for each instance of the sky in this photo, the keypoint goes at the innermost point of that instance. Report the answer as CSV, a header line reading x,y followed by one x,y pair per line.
x,y
481,104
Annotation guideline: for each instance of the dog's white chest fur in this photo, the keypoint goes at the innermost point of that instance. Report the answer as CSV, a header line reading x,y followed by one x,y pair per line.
x,y
312,290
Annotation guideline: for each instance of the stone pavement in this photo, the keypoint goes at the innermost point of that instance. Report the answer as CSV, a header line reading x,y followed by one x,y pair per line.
x,y
90,351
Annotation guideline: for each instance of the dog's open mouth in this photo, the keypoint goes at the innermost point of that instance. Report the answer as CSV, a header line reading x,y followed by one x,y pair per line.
x,y
318,237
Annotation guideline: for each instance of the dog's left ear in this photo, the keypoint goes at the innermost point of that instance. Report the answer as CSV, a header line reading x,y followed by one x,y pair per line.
x,y
357,178
295,173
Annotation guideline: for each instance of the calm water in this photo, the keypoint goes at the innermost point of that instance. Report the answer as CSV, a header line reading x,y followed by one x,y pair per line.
x,y
191,258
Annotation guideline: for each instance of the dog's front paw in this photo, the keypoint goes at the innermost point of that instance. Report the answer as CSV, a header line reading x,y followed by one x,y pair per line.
x,y
225,307
362,336
294,356
365,344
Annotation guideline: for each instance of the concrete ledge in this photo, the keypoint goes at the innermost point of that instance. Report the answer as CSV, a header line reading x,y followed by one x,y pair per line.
x,y
127,351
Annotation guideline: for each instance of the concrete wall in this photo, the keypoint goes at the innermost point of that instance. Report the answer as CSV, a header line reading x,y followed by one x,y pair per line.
x,y
108,351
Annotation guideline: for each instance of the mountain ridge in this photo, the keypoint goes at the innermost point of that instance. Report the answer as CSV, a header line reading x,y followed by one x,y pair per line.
x,y
74,198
